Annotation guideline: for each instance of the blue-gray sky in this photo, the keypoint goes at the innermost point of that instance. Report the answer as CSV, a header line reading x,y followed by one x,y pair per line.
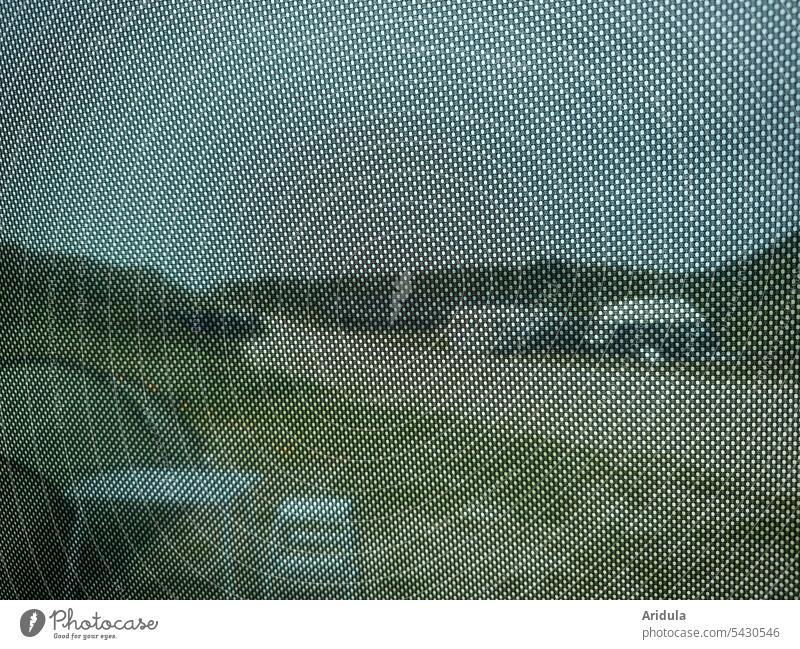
x,y
218,140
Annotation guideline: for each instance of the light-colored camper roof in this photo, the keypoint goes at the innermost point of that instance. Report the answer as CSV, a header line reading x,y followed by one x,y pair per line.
x,y
642,311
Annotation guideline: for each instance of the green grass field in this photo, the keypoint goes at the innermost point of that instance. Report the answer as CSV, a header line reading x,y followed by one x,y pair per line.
x,y
677,498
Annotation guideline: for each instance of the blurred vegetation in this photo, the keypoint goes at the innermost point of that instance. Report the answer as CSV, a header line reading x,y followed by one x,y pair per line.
x,y
446,507
752,304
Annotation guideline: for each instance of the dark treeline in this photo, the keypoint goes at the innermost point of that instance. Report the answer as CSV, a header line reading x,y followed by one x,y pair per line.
x,y
752,304
367,300
38,287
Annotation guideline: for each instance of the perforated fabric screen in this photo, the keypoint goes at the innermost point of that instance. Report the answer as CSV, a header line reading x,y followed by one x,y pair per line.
x,y
399,299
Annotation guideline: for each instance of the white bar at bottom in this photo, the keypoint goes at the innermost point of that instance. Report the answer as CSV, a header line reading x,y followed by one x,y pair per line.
x,y
406,624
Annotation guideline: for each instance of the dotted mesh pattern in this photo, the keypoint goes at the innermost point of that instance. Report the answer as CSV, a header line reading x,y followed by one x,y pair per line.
x,y
399,299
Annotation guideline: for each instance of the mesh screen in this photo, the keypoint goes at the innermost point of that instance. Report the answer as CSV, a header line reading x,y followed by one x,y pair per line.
x,y
399,299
